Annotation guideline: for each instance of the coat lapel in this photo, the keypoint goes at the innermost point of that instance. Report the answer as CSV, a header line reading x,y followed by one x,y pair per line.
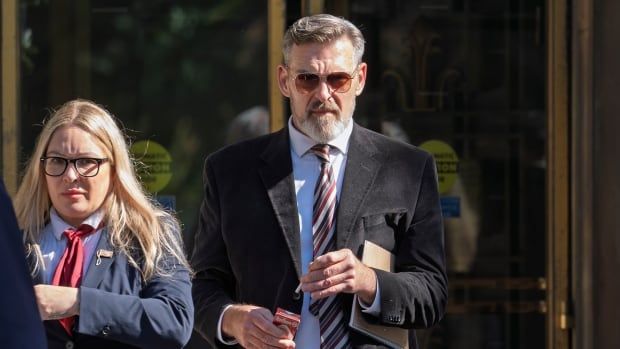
x,y
360,172
101,261
276,172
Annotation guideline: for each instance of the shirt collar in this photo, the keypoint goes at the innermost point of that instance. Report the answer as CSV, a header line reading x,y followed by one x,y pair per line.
x,y
302,143
59,225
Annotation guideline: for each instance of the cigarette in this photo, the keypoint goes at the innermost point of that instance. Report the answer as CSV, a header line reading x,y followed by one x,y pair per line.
x,y
297,293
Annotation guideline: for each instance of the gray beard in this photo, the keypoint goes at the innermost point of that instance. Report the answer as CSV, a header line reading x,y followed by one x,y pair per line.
x,y
323,131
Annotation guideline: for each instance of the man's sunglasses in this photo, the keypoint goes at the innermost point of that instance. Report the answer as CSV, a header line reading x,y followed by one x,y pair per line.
x,y
338,82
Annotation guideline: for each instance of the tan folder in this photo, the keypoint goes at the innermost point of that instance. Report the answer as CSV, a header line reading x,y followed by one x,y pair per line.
x,y
377,257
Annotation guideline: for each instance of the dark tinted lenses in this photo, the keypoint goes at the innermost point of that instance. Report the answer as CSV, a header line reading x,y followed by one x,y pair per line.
x,y
337,82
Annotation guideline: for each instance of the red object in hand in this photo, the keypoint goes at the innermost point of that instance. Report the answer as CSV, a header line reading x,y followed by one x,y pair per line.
x,y
288,319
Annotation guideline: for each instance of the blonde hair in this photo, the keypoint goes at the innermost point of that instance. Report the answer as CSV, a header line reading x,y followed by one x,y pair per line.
x,y
135,223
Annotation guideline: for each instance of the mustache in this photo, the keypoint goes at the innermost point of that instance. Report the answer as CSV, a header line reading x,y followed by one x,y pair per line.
x,y
322,107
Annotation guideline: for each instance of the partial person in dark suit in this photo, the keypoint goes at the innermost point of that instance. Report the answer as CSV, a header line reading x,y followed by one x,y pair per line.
x,y
20,324
295,207
107,261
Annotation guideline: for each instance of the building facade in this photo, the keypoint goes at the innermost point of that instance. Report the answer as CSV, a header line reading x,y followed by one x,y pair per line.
x,y
514,98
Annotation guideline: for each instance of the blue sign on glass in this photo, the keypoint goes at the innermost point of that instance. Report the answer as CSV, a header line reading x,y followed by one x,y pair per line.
x,y
451,206
168,202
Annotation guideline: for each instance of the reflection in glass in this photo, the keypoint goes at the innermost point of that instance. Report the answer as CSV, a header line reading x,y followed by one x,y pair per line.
x,y
471,74
177,73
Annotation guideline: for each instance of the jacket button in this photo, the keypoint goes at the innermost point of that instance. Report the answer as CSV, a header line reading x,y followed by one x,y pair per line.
x,y
106,330
69,345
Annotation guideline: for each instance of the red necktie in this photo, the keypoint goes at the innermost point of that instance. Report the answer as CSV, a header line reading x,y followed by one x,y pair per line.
x,y
69,270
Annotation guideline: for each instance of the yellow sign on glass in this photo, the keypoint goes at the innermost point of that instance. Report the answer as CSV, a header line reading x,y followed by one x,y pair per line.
x,y
157,172
447,163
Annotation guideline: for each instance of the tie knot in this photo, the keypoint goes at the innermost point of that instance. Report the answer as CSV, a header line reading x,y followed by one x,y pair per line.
x,y
322,152
82,230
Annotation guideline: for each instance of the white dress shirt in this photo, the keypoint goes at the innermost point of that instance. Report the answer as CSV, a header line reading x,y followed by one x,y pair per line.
x,y
306,170
53,242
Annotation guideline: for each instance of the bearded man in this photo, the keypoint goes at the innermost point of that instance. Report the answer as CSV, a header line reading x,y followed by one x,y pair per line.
x,y
290,211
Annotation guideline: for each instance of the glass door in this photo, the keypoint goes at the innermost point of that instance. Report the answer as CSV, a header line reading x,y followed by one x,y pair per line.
x,y
466,80
184,77
188,77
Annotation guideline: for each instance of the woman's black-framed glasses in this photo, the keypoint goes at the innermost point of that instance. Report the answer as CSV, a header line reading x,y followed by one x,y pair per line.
x,y
55,166
339,82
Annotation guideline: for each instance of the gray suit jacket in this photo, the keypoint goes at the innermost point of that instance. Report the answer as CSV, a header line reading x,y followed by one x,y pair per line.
x,y
119,310
247,246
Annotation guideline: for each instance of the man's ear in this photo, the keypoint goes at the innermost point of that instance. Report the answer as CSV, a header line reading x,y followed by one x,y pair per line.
x,y
282,81
361,78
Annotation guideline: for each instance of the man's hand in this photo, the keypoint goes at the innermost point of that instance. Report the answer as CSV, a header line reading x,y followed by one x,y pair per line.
x,y
57,302
252,327
339,271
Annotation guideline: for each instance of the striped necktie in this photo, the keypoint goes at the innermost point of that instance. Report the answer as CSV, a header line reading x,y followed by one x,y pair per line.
x,y
334,333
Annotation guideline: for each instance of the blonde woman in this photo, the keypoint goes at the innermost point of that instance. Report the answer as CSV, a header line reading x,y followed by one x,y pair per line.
x,y
108,264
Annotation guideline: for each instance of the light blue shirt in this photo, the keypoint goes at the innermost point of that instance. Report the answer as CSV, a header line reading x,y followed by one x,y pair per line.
x,y
53,242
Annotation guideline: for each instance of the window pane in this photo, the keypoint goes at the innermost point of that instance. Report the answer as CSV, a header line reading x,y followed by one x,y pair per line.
x,y
188,75
466,80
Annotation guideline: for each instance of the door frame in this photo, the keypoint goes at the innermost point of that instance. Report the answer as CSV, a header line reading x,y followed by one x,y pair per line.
x,y
559,319
561,177
9,90
582,171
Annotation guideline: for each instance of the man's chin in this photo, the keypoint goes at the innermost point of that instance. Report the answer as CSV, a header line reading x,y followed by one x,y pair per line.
x,y
323,135
322,129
